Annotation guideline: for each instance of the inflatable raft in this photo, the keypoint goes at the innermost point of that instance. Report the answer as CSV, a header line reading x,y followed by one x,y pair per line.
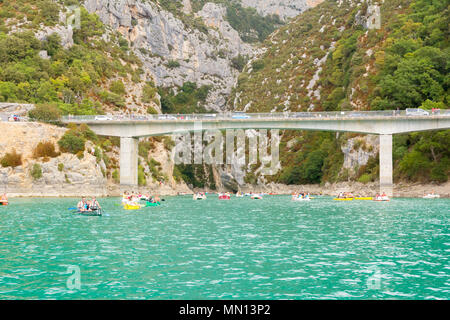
x,y
199,197
90,213
224,196
152,204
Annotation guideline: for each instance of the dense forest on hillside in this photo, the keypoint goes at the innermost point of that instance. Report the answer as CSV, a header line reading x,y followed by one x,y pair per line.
x,y
404,64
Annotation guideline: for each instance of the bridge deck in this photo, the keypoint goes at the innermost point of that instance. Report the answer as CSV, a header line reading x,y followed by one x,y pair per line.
x,y
292,116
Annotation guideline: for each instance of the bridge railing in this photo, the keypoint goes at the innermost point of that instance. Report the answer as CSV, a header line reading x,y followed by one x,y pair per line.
x,y
242,115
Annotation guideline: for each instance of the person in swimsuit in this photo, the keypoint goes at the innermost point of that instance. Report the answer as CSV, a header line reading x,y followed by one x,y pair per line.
x,y
94,204
82,205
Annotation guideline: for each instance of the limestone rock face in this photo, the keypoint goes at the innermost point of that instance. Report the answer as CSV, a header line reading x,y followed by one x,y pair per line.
x,y
64,32
284,8
357,151
229,182
75,176
203,57
20,109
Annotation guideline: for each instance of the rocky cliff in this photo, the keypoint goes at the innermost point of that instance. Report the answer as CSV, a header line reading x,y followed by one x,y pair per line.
x,y
68,174
158,38
64,175
283,8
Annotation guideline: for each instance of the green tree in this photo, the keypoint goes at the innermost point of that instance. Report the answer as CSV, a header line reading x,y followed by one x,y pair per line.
x,y
117,87
45,113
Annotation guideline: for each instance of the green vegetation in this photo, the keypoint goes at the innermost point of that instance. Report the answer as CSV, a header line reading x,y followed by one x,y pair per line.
x,y
141,176
252,27
155,169
414,60
71,142
173,64
144,147
189,20
117,87
149,93
422,156
45,113
74,139
36,171
115,176
239,62
60,167
195,175
189,99
318,160
72,79
404,64
11,159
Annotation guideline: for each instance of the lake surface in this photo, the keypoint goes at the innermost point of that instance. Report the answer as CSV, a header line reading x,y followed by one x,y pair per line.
x,y
239,249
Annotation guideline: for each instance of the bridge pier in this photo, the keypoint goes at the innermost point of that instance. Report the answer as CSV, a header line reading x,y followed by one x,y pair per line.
x,y
386,181
129,161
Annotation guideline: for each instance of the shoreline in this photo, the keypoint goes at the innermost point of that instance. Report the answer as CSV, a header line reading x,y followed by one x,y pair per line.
x,y
401,190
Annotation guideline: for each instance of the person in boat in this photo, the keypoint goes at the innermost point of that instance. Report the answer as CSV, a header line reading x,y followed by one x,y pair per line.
x,y
125,197
3,199
157,199
83,205
94,205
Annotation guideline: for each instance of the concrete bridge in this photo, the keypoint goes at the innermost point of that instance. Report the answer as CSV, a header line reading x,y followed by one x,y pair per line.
x,y
382,123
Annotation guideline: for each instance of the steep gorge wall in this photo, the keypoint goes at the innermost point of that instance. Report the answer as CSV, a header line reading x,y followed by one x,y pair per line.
x,y
158,37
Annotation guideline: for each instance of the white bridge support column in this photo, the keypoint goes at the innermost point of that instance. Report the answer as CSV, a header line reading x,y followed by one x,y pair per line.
x,y
128,161
386,182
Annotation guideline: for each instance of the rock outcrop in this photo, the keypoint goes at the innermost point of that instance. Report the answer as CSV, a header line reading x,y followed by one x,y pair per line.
x,y
357,151
283,8
158,37
68,174
65,175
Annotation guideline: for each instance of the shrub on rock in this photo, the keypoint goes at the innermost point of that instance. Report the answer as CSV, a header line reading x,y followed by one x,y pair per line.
x,y
11,159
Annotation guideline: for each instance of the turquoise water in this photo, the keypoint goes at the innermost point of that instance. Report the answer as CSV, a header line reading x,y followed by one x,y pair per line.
x,y
239,249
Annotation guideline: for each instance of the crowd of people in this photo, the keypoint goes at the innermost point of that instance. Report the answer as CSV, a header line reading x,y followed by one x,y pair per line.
x,y
345,195
134,198
300,195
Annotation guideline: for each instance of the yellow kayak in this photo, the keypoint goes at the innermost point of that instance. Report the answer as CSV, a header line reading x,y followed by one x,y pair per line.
x,y
343,199
131,207
364,198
